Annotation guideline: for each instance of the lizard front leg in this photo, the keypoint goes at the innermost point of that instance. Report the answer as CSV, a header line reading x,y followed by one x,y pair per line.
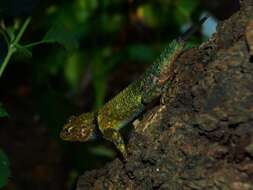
x,y
115,137
119,112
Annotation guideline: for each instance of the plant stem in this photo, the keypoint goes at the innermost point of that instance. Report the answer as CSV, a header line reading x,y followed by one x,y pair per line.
x,y
33,44
6,60
12,46
22,30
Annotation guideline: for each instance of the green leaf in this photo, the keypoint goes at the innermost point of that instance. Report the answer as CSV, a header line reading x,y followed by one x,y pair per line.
x,y
4,169
52,64
111,23
148,15
102,151
24,51
142,53
59,33
74,69
183,10
3,113
84,8
187,6
99,79
11,33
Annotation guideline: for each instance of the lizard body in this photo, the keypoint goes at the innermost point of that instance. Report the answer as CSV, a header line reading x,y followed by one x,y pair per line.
x,y
127,105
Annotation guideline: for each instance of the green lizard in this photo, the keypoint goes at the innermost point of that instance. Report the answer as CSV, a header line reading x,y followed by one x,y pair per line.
x,y
129,103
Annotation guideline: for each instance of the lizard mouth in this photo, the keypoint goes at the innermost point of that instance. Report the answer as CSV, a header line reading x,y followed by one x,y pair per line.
x,y
64,135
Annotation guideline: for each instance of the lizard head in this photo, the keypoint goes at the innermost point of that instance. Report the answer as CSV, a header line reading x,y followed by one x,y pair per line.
x,y
80,128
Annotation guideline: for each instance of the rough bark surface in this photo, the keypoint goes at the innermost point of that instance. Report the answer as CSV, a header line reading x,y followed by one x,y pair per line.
x,y
201,134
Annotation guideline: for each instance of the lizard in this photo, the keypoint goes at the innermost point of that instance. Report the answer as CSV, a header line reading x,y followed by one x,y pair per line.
x,y
130,102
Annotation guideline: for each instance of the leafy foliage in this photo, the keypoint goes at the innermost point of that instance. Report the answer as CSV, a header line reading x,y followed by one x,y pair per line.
x,y
24,51
3,112
59,33
4,169
184,9
141,53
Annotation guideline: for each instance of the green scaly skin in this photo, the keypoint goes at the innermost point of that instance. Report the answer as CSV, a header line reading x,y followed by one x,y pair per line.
x,y
129,103
125,106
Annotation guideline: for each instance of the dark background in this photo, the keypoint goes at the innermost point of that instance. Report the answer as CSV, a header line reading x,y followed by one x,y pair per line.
x,y
97,47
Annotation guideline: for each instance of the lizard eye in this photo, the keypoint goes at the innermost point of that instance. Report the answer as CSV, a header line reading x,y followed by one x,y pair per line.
x,y
68,130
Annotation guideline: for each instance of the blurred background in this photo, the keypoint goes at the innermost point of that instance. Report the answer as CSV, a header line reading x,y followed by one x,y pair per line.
x,y
72,57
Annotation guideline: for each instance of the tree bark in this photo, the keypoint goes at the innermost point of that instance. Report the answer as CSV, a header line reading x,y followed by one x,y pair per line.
x,y
200,136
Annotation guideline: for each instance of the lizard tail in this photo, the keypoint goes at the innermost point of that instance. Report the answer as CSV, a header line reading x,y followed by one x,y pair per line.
x,y
188,33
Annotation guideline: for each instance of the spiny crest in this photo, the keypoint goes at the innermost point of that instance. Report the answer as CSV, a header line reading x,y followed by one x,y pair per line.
x,y
165,55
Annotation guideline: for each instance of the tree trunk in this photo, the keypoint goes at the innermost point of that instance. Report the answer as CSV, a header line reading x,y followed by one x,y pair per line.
x,y
201,134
